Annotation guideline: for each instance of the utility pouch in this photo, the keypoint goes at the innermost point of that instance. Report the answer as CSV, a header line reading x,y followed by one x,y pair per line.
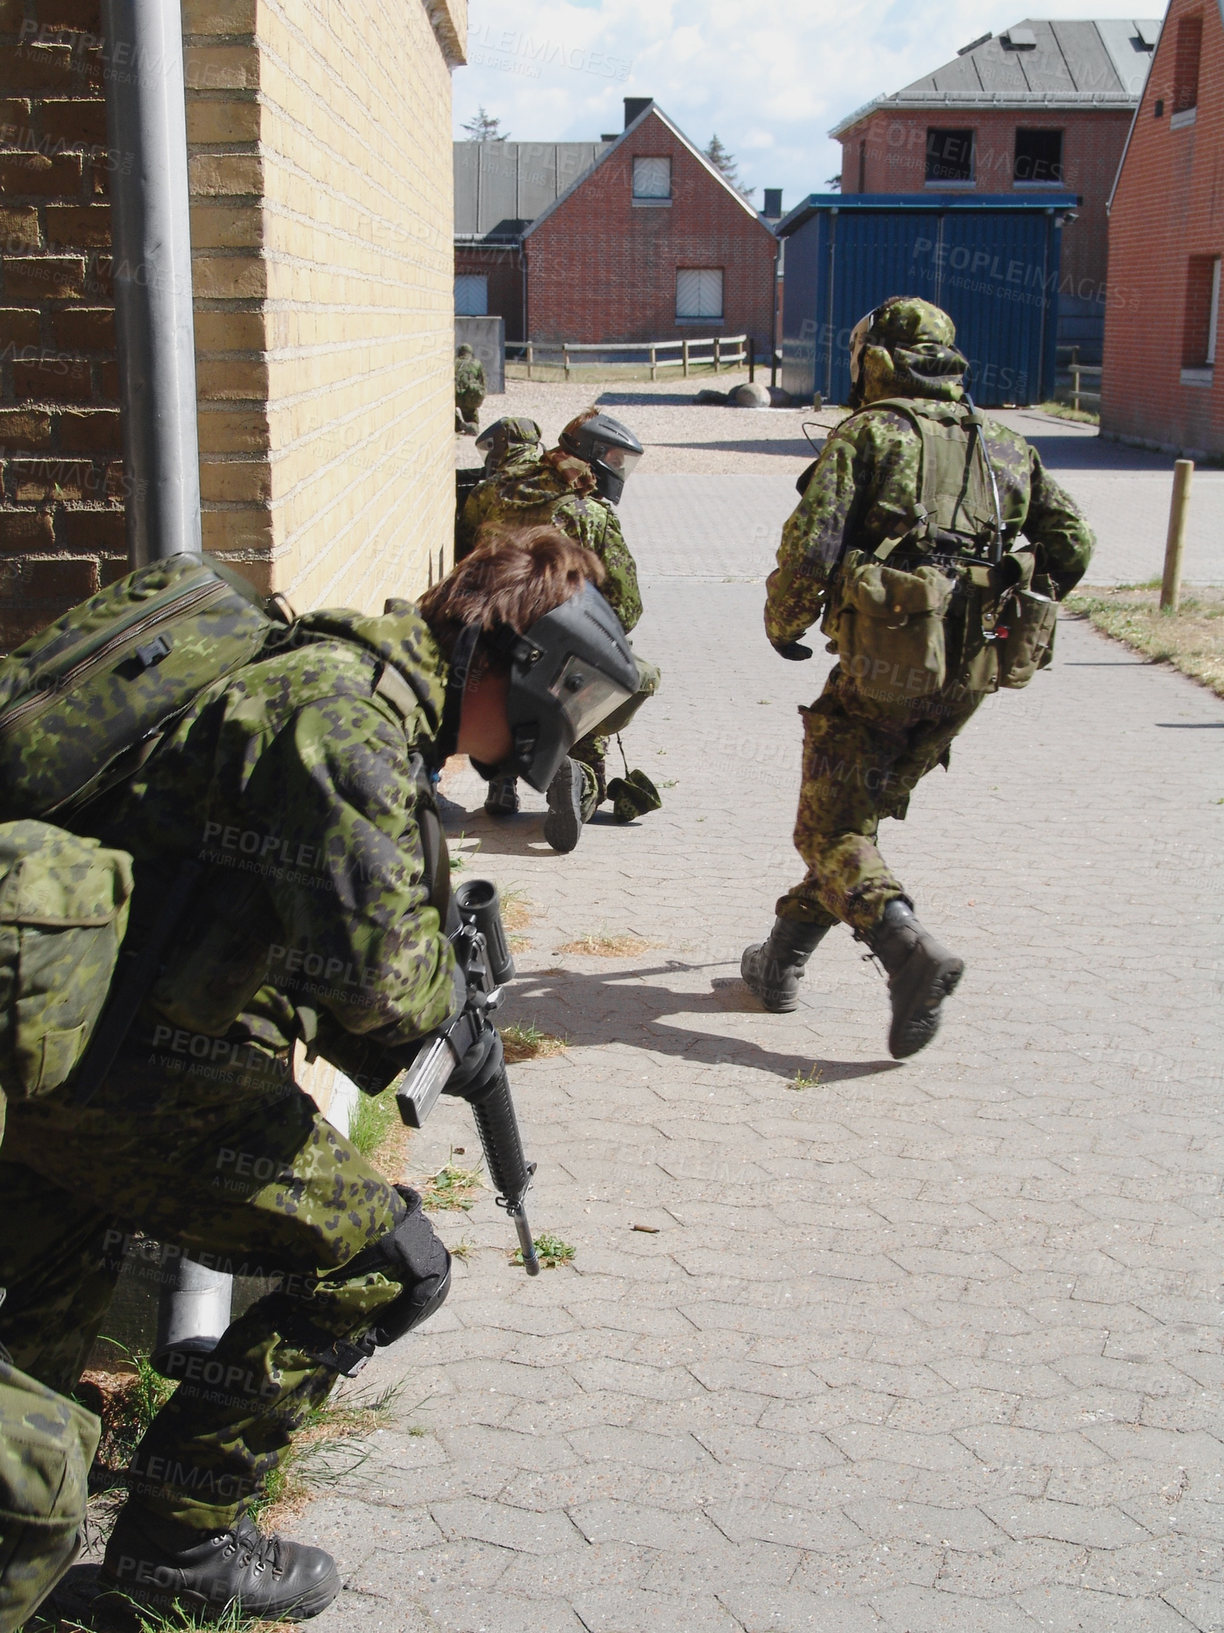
x,y
890,630
1030,620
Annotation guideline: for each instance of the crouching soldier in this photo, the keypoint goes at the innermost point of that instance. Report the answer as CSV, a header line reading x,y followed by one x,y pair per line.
x,y
469,390
576,487
300,787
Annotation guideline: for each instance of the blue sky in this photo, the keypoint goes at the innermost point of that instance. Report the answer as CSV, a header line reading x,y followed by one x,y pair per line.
x,y
771,77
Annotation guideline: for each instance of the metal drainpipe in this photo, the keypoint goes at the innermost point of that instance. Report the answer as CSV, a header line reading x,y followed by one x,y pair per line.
x,y
147,131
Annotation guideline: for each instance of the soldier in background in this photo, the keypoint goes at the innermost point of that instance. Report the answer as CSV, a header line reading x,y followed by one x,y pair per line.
x,y
469,390
906,542
510,447
576,487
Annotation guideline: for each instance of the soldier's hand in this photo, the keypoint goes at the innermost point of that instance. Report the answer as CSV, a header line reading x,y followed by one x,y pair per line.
x,y
794,650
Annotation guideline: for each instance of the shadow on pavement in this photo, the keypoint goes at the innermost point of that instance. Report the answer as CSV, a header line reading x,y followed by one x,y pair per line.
x,y
790,448
619,1006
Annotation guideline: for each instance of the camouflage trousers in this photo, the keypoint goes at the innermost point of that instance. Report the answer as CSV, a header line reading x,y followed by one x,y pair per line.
x,y
231,1163
46,1446
591,751
468,404
857,770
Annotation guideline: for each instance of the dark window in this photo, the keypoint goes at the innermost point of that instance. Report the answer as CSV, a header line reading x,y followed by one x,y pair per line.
x,y
1202,319
1186,63
949,155
1038,156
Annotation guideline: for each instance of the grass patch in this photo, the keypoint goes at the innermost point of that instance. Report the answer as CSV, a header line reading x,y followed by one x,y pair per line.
x,y
1064,411
460,858
127,1400
807,1080
375,1118
523,1040
608,945
451,1189
328,1450
1191,639
551,1250
517,910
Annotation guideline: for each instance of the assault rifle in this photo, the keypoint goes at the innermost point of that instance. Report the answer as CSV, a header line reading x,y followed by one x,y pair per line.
x,y
466,1058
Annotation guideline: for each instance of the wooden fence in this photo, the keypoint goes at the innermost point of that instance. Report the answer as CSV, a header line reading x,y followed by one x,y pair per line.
x,y
724,351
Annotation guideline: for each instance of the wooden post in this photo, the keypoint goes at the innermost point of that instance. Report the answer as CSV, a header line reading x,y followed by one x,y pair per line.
x,y
529,360
751,358
1075,387
717,353
654,366
684,355
565,360
1170,588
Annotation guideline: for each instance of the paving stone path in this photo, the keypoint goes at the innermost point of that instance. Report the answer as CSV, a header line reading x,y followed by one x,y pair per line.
x,y
847,1345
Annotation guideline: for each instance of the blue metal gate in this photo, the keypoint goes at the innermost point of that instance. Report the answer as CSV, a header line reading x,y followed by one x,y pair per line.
x,y
991,262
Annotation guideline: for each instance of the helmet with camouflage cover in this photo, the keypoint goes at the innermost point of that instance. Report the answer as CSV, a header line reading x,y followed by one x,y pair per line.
x,y
905,348
511,440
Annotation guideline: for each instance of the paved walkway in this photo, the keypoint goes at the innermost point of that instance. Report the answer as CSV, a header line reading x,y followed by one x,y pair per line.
x,y
847,1345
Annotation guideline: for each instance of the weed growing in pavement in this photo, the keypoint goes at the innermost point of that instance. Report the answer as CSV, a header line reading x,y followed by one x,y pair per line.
x,y
552,1251
375,1117
807,1080
517,910
609,945
523,1040
462,1250
458,858
127,1402
450,1189
328,1449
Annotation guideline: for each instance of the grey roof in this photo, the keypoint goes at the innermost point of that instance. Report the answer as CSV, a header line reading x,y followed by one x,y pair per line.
x,y
502,186
1070,65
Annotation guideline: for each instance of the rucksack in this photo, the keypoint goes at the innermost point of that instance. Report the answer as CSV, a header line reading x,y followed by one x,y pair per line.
x,y
63,914
82,704
85,701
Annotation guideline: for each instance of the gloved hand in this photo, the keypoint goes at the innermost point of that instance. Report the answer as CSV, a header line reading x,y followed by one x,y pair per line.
x,y
794,650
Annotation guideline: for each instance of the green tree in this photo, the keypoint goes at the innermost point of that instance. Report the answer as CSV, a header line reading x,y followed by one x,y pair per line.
x,y
481,128
726,165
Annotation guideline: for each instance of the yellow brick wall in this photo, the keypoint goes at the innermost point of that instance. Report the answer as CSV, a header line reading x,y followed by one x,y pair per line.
x,y
322,225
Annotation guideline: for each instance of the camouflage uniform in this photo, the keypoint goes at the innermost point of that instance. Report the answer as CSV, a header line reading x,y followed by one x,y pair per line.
x,y
861,761
521,450
469,386
46,1446
560,489
292,784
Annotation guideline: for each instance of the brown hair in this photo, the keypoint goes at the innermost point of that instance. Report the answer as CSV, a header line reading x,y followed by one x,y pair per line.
x,y
513,576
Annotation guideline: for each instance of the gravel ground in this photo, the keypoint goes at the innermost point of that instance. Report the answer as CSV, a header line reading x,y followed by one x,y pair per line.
x,y
680,437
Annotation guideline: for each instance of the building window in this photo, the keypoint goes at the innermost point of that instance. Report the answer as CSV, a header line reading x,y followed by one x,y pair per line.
x,y
652,178
949,155
699,294
1038,158
1186,64
471,295
1200,332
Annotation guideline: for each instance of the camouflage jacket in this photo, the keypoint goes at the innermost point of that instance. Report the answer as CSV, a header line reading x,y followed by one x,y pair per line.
x,y
560,490
292,783
867,480
469,377
482,503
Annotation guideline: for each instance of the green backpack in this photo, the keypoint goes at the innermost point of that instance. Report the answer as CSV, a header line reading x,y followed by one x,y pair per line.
x,y
63,914
85,701
82,704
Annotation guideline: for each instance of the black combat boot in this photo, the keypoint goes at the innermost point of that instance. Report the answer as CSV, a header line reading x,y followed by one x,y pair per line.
x,y
921,974
772,968
158,1563
572,796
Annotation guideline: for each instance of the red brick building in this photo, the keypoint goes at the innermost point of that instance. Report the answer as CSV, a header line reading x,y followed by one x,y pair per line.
x,y
1162,384
648,242
1044,106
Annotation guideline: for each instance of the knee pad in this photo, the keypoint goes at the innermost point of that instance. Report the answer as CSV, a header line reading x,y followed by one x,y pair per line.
x,y
413,1255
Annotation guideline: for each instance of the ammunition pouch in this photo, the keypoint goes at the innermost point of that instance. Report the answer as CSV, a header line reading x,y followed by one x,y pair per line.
x,y
1025,638
888,630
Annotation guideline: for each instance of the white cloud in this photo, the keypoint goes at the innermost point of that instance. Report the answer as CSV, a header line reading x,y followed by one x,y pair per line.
x,y
771,79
